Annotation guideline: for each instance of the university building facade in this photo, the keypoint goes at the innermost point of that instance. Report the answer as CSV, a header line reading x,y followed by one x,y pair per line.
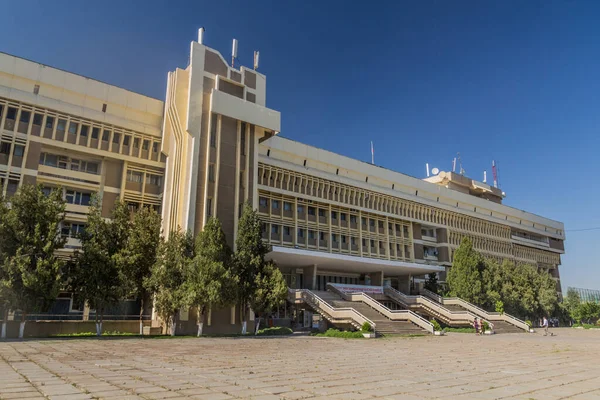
x,y
213,145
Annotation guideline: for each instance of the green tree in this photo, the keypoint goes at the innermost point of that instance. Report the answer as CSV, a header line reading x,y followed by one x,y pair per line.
x,y
546,293
210,281
588,311
167,280
432,283
465,276
270,291
29,238
571,303
139,254
96,275
249,259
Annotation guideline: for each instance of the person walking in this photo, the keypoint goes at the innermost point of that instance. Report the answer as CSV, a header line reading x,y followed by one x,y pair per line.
x,y
476,325
545,326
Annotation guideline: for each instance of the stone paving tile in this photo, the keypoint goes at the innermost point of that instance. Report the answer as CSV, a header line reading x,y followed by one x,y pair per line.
x,y
455,366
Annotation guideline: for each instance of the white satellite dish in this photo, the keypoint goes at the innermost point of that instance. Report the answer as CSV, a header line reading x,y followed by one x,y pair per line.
x,y
435,171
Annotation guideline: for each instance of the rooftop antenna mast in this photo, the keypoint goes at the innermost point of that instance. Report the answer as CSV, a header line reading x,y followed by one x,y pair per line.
x,y
234,48
462,171
372,154
256,56
495,173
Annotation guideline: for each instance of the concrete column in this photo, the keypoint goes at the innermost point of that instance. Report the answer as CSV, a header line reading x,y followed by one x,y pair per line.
x,y
377,278
310,277
404,284
86,311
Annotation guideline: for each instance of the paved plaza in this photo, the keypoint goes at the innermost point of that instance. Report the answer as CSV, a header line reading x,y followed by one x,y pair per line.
x,y
457,366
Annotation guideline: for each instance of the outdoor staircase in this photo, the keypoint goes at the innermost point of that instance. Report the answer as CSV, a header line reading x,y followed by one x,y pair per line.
x,y
503,323
383,325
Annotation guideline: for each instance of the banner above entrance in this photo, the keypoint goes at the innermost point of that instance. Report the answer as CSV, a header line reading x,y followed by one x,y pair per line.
x,y
347,288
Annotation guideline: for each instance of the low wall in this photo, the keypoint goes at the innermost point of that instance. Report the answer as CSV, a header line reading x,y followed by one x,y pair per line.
x,y
49,328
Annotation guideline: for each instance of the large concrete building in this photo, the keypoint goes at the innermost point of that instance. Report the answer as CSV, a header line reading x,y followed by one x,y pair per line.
x,y
214,144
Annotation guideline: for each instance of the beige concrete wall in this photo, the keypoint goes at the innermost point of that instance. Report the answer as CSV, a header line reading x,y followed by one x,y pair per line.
x,y
33,155
49,328
108,203
113,171
228,172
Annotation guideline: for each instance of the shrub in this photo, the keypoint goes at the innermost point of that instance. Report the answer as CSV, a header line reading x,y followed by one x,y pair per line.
x,y
529,324
341,334
500,307
436,325
486,326
598,322
275,331
366,327
461,330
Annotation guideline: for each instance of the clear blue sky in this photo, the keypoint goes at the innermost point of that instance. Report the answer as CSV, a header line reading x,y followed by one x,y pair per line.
x,y
507,80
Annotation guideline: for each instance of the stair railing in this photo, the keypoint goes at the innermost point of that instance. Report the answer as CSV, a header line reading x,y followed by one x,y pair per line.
x,y
490,316
393,315
345,314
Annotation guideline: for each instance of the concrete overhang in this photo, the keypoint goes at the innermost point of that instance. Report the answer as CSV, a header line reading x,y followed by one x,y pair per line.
x,y
234,107
299,258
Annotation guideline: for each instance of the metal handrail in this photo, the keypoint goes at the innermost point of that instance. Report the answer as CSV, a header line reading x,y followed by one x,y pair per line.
x,y
385,311
492,316
318,303
427,303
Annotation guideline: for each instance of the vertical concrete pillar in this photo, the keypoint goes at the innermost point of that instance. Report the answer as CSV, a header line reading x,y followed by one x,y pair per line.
x,y
377,278
310,277
404,284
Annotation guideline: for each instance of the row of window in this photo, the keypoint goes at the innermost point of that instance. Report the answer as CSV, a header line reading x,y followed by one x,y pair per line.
x,y
335,215
72,196
73,164
5,147
72,229
138,177
322,236
72,127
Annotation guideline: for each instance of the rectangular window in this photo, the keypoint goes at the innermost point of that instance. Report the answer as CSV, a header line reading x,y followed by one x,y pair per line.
x,y
37,119
364,242
155,179
287,231
19,150
92,168
105,135
73,128
321,235
334,215
209,207
136,143
95,132
344,239
372,222
5,148
372,243
104,107
353,219
12,113
116,137
133,207
275,229
146,145
134,176
311,235
211,172
287,206
334,238
311,210
300,209
243,138
25,116
300,232
213,130
126,140
262,201
321,212
353,241
78,198
363,221
84,131
342,216
275,204
155,147
49,122
36,89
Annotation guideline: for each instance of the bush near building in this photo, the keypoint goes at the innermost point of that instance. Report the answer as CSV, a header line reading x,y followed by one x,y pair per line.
x,y
520,290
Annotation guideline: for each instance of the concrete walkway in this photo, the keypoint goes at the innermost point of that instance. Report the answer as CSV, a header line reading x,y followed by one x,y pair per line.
x,y
457,366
